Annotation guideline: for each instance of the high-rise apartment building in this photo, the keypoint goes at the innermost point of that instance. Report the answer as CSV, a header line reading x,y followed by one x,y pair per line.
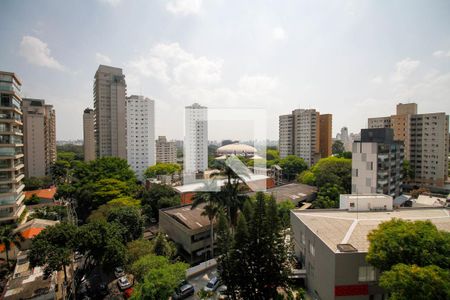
x,y
109,107
89,134
195,139
325,133
166,152
305,133
426,141
11,149
377,162
140,133
39,128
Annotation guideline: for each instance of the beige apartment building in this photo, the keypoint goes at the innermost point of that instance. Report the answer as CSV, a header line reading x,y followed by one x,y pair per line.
x,y
109,107
11,149
305,133
39,126
166,152
426,141
88,134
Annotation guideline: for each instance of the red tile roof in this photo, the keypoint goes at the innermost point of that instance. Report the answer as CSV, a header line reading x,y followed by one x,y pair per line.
x,y
43,194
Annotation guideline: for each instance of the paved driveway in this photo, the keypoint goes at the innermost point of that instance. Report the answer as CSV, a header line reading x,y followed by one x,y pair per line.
x,y
200,281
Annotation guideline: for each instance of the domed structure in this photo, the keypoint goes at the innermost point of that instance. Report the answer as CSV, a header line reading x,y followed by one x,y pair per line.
x,y
236,149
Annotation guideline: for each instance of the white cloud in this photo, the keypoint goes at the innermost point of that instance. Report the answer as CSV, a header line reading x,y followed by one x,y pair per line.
x,y
111,2
278,33
37,52
257,84
169,63
377,80
102,59
184,7
404,69
440,53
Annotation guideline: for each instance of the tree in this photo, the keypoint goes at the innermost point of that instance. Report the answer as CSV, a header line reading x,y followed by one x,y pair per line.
x,y
130,219
60,171
407,242
337,147
157,277
211,202
162,169
102,243
9,237
292,165
138,248
33,200
417,192
284,212
328,196
163,247
407,170
53,248
35,183
109,189
333,170
256,264
307,177
411,282
272,154
55,213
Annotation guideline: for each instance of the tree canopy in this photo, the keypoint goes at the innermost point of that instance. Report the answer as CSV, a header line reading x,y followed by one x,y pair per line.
x,y
337,147
411,282
162,169
407,242
292,165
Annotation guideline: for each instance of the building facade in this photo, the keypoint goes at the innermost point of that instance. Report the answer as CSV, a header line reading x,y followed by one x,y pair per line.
x,y
140,133
426,141
332,245
109,107
377,162
166,152
305,133
39,128
89,134
195,144
11,149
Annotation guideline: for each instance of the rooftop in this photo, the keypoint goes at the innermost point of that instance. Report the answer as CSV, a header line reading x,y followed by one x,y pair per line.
x,y
43,193
191,218
293,191
335,227
236,149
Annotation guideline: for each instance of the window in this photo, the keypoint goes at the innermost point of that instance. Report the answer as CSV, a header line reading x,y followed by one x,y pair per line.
x,y
311,249
366,273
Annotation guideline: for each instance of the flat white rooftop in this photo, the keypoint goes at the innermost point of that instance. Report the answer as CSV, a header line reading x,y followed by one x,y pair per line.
x,y
335,227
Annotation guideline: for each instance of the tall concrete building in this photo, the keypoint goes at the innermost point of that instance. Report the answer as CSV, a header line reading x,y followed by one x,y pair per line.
x,y
140,133
89,134
377,162
426,141
305,133
39,128
166,152
195,140
325,132
11,149
109,107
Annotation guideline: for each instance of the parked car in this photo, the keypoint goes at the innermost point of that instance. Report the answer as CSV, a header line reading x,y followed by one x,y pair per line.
x,y
221,292
123,283
212,285
183,291
119,272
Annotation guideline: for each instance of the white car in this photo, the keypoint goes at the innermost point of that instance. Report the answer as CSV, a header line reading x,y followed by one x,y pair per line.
x,y
123,283
212,285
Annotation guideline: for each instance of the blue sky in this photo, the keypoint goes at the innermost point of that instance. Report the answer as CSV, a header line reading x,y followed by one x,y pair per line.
x,y
354,59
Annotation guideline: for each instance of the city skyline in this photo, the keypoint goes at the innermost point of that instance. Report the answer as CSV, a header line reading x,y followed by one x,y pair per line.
x,y
283,56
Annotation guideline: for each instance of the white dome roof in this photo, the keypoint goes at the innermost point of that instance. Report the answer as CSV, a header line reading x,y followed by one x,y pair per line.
x,y
236,149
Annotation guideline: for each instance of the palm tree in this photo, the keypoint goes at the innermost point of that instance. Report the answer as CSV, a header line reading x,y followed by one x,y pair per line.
x,y
10,237
212,201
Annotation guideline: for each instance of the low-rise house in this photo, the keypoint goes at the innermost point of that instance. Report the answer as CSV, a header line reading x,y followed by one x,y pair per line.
x,y
28,231
46,197
332,245
30,283
294,192
188,228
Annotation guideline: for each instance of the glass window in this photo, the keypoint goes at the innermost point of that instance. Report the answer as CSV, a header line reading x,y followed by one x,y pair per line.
x,y
366,273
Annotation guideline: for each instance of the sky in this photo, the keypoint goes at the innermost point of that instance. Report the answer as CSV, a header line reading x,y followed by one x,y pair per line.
x,y
353,59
